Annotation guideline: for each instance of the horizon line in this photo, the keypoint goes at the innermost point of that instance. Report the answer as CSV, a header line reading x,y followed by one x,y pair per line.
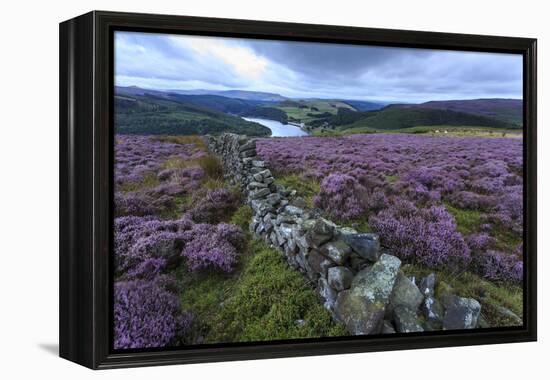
x,y
317,98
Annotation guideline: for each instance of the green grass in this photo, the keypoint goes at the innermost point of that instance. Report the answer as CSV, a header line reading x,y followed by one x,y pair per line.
x,y
392,178
361,224
242,217
261,300
177,207
453,130
210,164
506,239
490,295
196,140
467,221
462,130
149,180
307,188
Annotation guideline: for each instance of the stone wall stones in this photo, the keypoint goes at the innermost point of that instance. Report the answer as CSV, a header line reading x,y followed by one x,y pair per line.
x,y
360,285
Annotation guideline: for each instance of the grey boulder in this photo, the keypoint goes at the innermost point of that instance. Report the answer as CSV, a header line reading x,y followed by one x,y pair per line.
x,y
339,278
387,328
433,313
406,320
405,293
460,313
362,307
359,316
337,251
321,232
318,263
327,294
376,283
427,285
367,245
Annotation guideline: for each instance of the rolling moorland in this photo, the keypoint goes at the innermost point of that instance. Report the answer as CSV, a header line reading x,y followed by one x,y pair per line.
x,y
186,260
142,111
178,115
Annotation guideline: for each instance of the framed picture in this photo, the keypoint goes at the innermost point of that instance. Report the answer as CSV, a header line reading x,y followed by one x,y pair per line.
x,y
237,189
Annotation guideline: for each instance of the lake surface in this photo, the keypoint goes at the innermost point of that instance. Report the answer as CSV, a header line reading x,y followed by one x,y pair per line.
x,y
278,129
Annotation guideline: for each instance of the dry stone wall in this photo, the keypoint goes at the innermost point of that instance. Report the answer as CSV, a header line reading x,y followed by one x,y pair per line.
x,y
359,284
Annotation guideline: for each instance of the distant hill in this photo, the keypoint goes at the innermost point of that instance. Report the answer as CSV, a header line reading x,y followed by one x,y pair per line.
x,y
216,102
151,114
399,117
219,103
135,90
235,94
361,105
252,95
267,113
507,110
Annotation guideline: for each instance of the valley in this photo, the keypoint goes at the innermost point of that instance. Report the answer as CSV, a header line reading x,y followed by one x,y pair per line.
x,y
141,111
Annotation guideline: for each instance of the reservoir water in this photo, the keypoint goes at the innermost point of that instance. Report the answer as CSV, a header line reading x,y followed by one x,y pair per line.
x,y
278,129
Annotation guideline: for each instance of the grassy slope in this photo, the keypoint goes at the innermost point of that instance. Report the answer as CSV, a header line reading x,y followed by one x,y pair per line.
x,y
508,110
393,118
263,299
453,130
216,102
158,115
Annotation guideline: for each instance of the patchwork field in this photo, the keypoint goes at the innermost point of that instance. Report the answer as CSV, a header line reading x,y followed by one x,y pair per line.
x,y
306,111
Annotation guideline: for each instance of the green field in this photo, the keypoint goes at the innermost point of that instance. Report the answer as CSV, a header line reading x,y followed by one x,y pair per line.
x,y
299,110
436,130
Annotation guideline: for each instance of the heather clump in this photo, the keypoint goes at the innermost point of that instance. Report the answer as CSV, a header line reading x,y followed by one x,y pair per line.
x,y
426,236
213,205
146,315
134,203
339,196
500,266
145,246
472,200
212,246
140,238
480,242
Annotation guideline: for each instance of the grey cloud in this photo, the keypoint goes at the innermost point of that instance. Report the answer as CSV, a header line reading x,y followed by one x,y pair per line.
x,y
300,69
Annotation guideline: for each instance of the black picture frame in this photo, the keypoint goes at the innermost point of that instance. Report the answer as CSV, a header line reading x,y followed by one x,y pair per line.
x,y
86,164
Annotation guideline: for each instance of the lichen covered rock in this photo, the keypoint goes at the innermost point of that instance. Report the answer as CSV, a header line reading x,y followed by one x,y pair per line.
x,y
460,313
362,307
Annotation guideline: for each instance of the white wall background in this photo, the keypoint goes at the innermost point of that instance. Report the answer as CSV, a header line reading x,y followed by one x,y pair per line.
x,y
29,187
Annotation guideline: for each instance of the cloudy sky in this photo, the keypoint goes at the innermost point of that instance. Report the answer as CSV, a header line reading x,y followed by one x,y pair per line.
x,y
308,70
